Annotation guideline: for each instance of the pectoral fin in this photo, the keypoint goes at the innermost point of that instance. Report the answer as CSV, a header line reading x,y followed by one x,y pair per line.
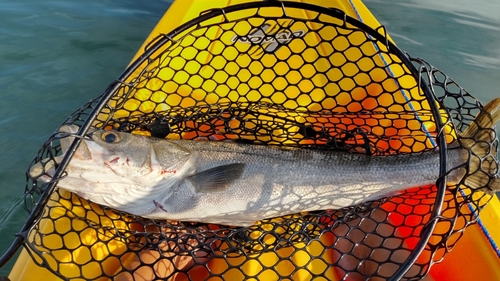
x,y
218,178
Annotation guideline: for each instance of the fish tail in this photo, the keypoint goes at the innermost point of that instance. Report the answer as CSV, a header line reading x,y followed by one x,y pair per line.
x,y
481,141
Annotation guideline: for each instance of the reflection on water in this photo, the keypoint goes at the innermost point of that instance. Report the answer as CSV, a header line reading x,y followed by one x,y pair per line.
x,y
7,209
56,55
481,61
482,10
459,37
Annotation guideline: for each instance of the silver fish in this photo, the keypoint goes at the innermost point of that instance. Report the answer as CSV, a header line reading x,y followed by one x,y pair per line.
x,y
239,184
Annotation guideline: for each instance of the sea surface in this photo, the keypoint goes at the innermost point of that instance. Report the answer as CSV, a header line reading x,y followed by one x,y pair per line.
x,y
57,55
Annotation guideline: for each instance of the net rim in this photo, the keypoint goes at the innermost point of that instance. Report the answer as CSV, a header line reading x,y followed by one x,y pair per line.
x,y
158,42
339,14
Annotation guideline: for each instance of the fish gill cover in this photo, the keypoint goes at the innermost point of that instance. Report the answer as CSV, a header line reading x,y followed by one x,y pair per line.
x,y
279,74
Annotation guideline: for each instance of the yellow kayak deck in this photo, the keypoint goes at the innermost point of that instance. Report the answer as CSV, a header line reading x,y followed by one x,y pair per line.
x,y
474,257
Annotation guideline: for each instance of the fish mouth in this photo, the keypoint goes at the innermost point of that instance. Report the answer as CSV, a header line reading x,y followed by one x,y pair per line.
x,y
83,151
45,169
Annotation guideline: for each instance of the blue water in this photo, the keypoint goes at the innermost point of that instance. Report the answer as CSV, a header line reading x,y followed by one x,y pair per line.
x,y
460,37
56,55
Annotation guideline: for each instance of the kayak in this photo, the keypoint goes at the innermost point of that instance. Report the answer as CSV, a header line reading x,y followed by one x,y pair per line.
x,y
91,254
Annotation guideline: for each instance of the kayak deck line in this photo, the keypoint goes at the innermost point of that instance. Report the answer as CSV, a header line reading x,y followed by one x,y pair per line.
x,y
403,91
483,227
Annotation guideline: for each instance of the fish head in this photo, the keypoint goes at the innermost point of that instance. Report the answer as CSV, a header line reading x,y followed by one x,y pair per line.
x,y
135,156
123,154
117,169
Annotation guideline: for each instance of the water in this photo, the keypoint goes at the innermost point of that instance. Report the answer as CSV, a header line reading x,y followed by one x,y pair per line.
x,y
459,37
56,55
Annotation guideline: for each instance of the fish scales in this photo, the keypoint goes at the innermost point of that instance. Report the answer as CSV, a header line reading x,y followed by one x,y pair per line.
x,y
238,184
277,182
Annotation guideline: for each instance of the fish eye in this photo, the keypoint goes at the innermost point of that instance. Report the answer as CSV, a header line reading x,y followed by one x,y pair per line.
x,y
110,137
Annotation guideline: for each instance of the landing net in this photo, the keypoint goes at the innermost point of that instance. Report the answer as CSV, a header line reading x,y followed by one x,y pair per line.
x,y
281,74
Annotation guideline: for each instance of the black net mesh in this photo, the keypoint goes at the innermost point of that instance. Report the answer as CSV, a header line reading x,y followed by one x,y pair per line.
x,y
280,74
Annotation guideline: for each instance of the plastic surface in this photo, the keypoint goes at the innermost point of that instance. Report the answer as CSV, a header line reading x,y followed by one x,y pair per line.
x,y
473,246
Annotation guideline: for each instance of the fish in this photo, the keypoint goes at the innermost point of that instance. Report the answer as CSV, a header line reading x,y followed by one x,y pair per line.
x,y
238,184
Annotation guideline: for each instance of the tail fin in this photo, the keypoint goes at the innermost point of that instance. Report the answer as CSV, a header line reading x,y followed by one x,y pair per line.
x,y
480,139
